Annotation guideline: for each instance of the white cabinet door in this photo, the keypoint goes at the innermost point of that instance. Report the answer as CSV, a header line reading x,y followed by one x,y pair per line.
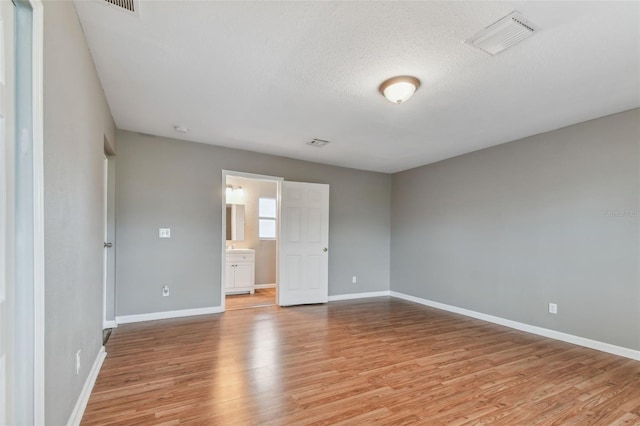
x,y
240,273
304,242
244,274
229,276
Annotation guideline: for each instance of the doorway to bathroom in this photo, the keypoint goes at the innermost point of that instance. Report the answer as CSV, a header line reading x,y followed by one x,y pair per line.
x,y
251,240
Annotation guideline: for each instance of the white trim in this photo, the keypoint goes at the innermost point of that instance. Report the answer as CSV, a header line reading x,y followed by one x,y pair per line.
x,y
3,389
105,178
8,55
109,324
279,236
545,332
83,398
126,319
37,66
359,295
223,243
246,175
260,286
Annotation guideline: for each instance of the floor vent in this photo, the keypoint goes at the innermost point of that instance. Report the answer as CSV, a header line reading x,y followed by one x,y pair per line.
x,y
503,34
129,5
318,143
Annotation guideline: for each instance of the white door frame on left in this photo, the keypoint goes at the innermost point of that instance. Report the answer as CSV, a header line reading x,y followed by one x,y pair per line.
x,y
105,186
37,64
7,212
32,308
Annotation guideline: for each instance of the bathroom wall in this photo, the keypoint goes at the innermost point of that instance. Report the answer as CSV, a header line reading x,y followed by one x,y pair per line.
x,y
265,249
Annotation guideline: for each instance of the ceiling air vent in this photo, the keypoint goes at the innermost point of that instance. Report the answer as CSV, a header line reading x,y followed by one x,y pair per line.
x,y
503,34
130,5
318,143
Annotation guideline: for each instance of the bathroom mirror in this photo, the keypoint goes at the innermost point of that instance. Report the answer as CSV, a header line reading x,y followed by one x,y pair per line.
x,y
235,222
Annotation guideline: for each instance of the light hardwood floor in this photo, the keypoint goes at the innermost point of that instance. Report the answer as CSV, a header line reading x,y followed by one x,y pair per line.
x,y
261,297
370,361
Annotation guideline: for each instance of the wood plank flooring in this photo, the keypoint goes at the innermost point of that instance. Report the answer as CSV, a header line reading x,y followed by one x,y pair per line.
x,y
261,297
370,361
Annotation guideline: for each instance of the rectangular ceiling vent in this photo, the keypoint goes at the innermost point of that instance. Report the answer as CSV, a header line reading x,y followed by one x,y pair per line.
x,y
318,143
502,34
125,5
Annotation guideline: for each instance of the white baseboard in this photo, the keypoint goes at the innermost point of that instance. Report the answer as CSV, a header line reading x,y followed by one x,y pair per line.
x,y
126,319
83,398
265,286
359,295
109,324
552,334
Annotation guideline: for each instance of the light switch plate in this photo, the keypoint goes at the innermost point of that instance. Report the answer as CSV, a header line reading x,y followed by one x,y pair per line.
x,y
165,232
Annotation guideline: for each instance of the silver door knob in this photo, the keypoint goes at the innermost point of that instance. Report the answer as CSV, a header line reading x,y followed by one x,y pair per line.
x,y
108,245
325,249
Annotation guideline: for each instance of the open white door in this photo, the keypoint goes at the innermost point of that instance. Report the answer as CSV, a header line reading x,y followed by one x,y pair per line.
x,y
304,242
107,244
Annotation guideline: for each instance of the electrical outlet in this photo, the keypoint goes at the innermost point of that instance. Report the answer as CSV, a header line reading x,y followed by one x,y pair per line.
x,y
164,232
354,279
78,361
165,290
553,308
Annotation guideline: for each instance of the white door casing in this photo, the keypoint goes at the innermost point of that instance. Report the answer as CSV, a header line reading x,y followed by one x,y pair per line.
x,y
304,242
108,278
225,276
105,253
7,90
25,208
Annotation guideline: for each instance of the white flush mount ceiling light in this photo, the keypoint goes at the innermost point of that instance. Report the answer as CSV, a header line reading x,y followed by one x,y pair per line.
x,y
399,89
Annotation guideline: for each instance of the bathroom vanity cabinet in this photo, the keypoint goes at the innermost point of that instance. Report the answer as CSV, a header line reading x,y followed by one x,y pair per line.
x,y
240,271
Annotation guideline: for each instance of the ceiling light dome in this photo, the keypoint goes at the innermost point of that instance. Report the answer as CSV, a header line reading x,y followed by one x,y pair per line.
x,y
399,89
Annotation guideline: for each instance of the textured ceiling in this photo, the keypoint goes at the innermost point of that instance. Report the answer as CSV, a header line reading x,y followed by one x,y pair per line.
x,y
270,76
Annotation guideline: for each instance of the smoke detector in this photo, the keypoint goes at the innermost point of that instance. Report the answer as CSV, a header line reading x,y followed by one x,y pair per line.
x,y
318,143
502,34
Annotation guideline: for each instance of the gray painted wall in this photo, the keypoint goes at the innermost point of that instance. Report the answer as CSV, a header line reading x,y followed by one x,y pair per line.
x,y
163,182
76,123
506,230
266,256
